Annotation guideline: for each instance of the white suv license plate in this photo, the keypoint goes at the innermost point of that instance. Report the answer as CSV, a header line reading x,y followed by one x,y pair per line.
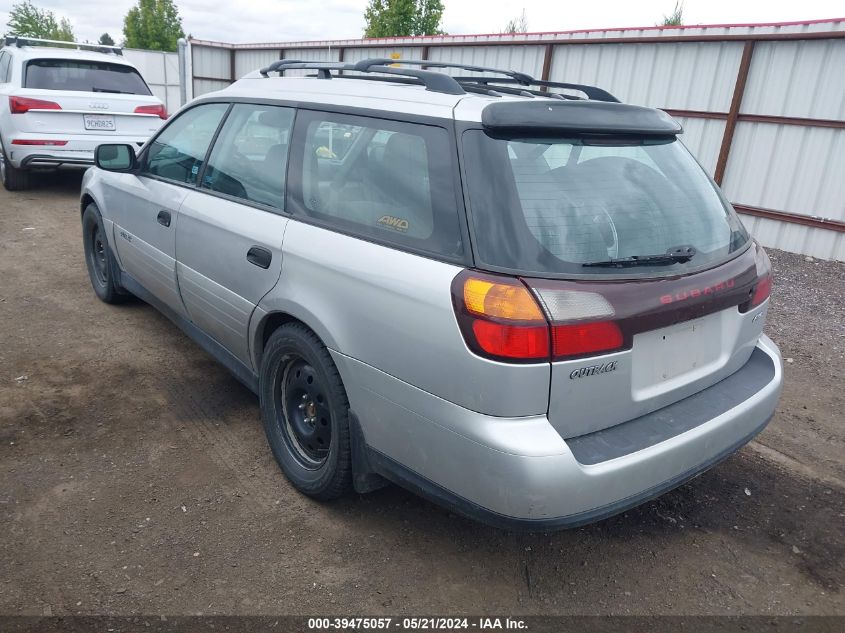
x,y
104,122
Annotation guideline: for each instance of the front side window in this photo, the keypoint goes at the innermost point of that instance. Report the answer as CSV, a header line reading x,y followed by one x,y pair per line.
x,y
386,180
249,158
179,151
84,76
553,205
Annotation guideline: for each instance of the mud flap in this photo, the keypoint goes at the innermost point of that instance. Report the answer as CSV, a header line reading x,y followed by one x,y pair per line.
x,y
364,477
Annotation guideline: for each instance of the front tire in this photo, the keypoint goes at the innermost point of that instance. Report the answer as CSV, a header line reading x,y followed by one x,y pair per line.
x,y
14,179
102,268
305,412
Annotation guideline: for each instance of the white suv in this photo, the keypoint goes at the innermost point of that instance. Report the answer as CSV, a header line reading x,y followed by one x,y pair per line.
x,y
58,103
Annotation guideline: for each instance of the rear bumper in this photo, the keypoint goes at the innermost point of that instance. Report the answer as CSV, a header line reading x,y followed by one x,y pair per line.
x,y
519,473
78,152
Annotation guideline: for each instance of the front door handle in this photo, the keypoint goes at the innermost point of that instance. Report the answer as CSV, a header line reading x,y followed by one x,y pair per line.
x,y
163,217
260,257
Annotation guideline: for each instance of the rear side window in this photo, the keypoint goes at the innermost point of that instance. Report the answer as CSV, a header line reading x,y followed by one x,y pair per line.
x,y
384,180
5,61
553,205
250,155
179,151
84,76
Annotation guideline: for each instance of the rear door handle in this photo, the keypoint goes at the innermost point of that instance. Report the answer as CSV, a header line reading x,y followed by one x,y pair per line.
x,y
260,257
163,217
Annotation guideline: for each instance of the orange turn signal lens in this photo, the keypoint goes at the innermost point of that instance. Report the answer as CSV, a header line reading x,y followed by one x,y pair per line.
x,y
511,301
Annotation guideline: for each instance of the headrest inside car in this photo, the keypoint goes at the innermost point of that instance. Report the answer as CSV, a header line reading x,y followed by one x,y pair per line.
x,y
274,117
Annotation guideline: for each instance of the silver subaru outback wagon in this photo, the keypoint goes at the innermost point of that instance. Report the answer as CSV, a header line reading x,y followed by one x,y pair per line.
x,y
521,299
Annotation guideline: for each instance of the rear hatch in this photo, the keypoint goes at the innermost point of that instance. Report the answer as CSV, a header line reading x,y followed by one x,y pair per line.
x,y
650,285
83,97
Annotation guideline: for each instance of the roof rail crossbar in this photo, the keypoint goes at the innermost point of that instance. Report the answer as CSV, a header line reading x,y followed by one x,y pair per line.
x,y
436,82
513,89
21,41
412,81
290,64
592,92
379,61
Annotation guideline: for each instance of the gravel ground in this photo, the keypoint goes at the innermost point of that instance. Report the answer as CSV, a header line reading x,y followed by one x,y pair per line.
x,y
136,479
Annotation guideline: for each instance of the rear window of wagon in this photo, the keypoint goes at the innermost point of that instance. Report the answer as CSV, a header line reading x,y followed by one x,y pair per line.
x,y
552,205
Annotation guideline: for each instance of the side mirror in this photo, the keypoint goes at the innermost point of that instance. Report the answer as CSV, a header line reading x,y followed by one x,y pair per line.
x,y
114,157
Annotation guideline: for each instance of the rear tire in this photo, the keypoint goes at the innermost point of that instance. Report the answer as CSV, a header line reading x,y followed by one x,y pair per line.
x,y
305,412
103,270
14,179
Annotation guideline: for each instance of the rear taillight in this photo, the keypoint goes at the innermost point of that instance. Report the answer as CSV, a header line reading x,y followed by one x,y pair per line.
x,y
585,339
157,110
22,105
508,319
581,322
499,318
42,142
763,288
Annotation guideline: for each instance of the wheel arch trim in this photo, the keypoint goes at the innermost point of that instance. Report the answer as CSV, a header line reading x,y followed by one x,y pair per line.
x,y
271,314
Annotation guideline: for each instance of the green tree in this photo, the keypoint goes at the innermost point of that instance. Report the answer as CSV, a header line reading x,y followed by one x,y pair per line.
x,y
27,20
396,18
106,40
517,25
676,18
153,25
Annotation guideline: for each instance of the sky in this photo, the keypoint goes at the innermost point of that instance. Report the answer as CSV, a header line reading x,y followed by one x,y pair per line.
x,y
297,20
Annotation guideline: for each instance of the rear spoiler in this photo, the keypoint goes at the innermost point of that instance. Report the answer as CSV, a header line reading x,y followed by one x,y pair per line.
x,y
542,116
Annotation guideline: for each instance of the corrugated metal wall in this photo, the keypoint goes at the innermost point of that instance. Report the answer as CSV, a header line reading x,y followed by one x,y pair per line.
x,y
779,147
161,72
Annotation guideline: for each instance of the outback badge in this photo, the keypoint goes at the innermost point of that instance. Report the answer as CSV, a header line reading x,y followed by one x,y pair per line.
x,y
593,370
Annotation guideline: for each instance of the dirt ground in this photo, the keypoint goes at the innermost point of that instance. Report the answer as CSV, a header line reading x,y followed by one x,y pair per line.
x,y
136,479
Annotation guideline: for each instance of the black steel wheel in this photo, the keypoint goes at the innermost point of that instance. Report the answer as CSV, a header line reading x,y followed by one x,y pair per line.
x,y
305,412
97,255
102,269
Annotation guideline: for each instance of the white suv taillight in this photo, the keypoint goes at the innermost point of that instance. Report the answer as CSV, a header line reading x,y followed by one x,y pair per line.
x,y
158,110
22,105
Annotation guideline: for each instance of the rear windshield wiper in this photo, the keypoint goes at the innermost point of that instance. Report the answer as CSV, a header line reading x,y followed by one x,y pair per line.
x,y
673,256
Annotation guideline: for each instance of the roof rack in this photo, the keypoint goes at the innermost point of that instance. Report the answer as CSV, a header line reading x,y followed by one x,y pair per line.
x,y
364,66
592,92
436,82
440,82
20,42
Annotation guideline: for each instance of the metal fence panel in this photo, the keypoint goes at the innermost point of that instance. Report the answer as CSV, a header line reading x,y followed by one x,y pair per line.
x,y
357,54
204,86
703,137
211,62
161,72
327,54
682,76
798,79
796,238
788,167
527,59
247,61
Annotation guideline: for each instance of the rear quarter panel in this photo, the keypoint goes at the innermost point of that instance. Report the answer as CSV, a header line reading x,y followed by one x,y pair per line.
x,y
393,311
